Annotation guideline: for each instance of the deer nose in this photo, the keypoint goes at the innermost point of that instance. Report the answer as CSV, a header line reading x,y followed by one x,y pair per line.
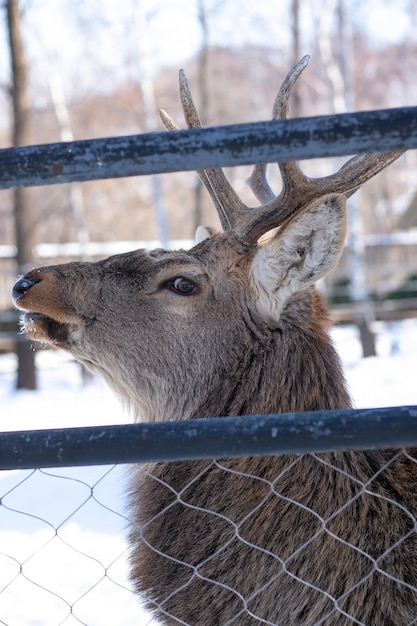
x,y
21,286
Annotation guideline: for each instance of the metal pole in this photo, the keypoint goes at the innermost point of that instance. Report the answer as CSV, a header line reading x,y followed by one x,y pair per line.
x,y
207,438
238,144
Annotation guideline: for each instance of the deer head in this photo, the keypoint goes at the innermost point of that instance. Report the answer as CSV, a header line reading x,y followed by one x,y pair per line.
x,y
171,330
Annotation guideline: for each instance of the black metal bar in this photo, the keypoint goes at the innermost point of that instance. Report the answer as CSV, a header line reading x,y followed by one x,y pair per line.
x,y
239,144
211,438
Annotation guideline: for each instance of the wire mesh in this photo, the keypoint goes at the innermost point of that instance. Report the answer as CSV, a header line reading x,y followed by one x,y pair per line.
x,y
63,552
345,556
264,549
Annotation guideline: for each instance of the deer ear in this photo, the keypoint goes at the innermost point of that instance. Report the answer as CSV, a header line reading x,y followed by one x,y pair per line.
x,y
202,233
299,254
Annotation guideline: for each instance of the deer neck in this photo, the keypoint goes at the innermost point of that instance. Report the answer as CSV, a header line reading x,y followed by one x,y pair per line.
x,y
300,360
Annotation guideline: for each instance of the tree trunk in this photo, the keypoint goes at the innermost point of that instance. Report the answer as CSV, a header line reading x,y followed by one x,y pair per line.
x,y
24,227
146,88
76,198
339,72
204,98
359,285
296,103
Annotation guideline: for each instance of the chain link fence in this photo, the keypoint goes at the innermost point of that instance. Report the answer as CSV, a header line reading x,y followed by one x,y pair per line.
x,y
70,565
64,562
276,559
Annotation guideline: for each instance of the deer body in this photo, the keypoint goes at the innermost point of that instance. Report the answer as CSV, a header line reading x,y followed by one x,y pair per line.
x,y
234,326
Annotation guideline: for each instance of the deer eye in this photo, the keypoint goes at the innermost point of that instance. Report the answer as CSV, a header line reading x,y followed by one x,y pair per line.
x,y
182,286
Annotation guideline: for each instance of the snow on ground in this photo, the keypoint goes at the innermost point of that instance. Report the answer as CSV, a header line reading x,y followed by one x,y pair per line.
x,y
62,546
388,379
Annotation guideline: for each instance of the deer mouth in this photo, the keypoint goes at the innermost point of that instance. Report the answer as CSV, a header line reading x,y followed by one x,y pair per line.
x,y
44,329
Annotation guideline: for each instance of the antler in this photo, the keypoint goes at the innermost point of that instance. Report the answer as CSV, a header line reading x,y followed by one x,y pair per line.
x,y
298,190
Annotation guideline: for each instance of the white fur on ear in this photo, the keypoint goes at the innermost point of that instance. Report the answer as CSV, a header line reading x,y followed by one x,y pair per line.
x,y
301,253
202,233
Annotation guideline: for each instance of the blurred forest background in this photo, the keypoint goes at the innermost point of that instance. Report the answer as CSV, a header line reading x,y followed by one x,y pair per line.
x,y
81,69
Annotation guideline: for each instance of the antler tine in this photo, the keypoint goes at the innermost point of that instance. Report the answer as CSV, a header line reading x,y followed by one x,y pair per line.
x,y
276,209
292,176
167,121
257,181
228,204
171,125
299,190
190,112
280,108
369,164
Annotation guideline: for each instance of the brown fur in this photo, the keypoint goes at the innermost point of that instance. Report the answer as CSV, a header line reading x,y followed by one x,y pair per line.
x,y
315,539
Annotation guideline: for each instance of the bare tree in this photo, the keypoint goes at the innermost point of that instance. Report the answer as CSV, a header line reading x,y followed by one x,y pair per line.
x,y
339,73
147,92
330,62
296,45
26,376
76,197
204,95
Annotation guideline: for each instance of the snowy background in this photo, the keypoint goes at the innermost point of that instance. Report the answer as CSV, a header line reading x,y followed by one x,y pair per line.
x,y
62,531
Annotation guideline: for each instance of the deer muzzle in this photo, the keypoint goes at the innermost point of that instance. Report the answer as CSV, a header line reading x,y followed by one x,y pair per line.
x,y
46,317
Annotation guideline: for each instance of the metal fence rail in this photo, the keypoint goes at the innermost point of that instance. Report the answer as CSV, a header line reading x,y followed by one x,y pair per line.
x,y
211,438
237,144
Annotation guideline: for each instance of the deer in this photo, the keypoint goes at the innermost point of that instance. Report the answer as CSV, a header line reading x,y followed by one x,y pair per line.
x,y
236,326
